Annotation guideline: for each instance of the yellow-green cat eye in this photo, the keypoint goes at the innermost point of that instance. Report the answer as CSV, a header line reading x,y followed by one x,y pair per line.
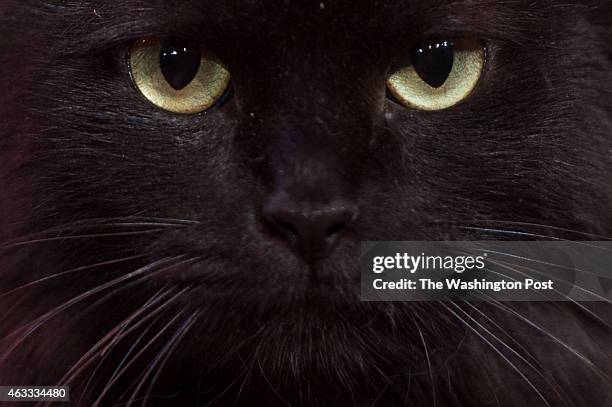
x,y
441,74
176,75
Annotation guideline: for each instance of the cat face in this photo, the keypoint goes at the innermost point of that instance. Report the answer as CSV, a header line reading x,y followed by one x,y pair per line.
x,y
243,212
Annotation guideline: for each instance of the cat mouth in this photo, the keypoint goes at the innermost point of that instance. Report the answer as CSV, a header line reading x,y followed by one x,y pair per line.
x,y
221,278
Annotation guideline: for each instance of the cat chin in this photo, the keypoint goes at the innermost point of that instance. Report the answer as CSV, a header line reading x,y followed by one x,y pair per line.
x,y
323,352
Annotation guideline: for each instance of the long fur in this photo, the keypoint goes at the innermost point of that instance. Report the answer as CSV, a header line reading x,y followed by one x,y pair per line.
x,y
136,268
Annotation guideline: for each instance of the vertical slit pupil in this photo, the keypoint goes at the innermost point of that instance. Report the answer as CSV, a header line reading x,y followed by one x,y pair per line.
x,y
433,61
179,61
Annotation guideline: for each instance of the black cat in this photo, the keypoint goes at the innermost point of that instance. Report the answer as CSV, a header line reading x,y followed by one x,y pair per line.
x,y
185,185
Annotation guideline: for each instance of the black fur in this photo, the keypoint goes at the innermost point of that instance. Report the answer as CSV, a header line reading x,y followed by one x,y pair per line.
x,y
97,183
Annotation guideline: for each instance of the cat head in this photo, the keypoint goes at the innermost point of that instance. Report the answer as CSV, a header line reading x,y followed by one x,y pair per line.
x,y
312,138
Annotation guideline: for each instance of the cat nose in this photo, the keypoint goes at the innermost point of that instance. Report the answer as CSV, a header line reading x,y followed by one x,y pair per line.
x,y
311,232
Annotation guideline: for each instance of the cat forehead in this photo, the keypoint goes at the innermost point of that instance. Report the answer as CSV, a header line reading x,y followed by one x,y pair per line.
x,y
307,9
255,20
